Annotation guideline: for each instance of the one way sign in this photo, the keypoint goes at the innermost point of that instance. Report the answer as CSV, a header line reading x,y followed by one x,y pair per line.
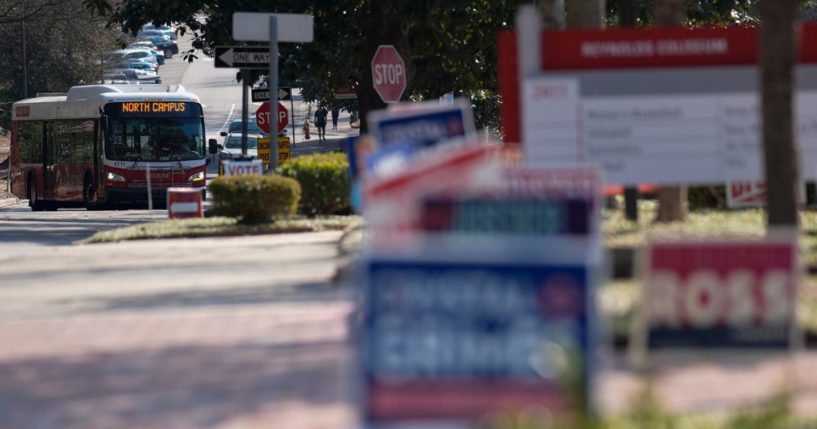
x,y
242,57
262,94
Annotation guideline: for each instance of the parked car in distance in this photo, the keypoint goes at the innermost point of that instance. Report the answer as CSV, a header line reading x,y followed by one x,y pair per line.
x,y
137,65
235,127
166,30
146,45
130,76
148,32
126,55
232,146
163,44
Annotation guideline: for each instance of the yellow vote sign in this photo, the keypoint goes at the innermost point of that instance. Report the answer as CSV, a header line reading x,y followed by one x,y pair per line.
x,y
284,151
264,150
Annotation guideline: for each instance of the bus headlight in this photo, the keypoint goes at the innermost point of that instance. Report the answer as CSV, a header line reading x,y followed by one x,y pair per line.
x,y
196,177
113,177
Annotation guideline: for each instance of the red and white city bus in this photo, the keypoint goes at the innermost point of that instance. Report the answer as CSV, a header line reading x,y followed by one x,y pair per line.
x,y
94,145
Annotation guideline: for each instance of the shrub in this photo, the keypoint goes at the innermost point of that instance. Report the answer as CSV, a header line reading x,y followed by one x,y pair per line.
x,y
255,199
324,180
707,197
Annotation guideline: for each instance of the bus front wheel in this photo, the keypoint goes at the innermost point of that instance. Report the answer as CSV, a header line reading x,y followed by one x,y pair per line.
x,y
89,193
35,205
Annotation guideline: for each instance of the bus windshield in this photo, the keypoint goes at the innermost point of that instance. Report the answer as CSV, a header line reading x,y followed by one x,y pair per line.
x,y
155,139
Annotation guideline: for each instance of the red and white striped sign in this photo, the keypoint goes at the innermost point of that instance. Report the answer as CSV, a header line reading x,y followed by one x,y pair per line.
x,y
184,203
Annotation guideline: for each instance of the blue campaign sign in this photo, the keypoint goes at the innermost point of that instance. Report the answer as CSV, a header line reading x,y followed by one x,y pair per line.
x,y
459,340
508,215
351,155
422,126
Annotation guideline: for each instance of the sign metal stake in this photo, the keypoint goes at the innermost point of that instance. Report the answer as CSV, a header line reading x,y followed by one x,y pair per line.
x,y
245,77
273,87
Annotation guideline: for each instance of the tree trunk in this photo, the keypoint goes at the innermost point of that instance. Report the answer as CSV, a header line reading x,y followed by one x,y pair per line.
x,y
627,19
672,200
553,14
778,50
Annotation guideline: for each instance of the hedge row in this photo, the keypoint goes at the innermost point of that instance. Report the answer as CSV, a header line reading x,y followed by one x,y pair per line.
x,y
310,185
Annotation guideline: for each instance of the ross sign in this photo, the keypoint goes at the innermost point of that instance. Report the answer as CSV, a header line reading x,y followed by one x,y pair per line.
x,y
720,295
262,94
422,124
389,74
463,340
284,150
243,57
254,27
263,120
243,168
184,203
264,150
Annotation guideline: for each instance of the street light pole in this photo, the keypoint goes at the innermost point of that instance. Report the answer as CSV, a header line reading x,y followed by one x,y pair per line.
x,y
25,63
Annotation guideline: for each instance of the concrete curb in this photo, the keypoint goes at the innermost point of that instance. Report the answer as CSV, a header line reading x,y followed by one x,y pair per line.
x,y
5,202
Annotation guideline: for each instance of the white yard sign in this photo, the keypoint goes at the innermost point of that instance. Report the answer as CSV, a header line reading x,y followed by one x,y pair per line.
x,y
674,138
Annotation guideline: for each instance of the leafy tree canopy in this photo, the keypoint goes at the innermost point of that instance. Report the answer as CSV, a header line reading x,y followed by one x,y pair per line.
x,y
448,45
49,46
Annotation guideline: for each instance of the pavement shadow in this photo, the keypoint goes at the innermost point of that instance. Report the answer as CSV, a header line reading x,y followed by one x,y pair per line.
x,y
178,387
233,296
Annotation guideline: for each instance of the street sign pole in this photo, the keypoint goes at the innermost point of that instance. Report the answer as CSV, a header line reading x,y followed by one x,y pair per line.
x,y
245,77
292,109
273,86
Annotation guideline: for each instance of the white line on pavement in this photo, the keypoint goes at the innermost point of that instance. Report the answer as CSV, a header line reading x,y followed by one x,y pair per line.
x,y
229,117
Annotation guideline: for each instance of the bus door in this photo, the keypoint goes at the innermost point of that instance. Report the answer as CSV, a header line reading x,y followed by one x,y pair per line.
x,y
49,172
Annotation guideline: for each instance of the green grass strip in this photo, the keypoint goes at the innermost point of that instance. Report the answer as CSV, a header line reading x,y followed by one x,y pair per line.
x,y
221,227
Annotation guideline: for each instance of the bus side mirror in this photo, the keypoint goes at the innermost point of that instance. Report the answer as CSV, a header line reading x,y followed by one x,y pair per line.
x,y
223,134
212,146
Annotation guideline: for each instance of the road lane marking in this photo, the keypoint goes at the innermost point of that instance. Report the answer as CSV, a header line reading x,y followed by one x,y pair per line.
x,y
229,117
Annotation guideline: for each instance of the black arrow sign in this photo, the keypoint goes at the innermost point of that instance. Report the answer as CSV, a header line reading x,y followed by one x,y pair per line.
x,y
262,94
242,57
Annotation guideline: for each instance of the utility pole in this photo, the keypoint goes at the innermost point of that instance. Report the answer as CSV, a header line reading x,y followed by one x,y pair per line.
x,y
672,200
778,55
627,19
25,62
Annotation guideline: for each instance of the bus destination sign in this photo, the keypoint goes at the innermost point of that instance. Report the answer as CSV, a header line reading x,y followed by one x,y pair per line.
x,y
154,107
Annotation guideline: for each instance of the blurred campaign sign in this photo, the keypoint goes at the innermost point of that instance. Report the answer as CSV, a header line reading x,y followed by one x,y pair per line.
x,y
661,105
454,341
750,194
745,194
392,202
520,200
422,124
720,295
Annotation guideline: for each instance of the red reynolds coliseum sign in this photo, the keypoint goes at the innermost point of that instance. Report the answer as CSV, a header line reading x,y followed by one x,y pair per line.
x,y
621,49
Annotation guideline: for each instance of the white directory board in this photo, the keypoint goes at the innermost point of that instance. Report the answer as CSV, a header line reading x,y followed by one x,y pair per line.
x,y
663,139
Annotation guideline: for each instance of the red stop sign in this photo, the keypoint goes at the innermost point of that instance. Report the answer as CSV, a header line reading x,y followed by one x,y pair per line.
x,y
263,120
388,74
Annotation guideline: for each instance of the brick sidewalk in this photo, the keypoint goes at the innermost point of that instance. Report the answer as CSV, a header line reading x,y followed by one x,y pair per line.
x,y
221,369
89,342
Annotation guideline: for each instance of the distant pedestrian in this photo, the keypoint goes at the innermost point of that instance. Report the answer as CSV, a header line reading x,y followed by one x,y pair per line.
x,y
335,114
320,122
